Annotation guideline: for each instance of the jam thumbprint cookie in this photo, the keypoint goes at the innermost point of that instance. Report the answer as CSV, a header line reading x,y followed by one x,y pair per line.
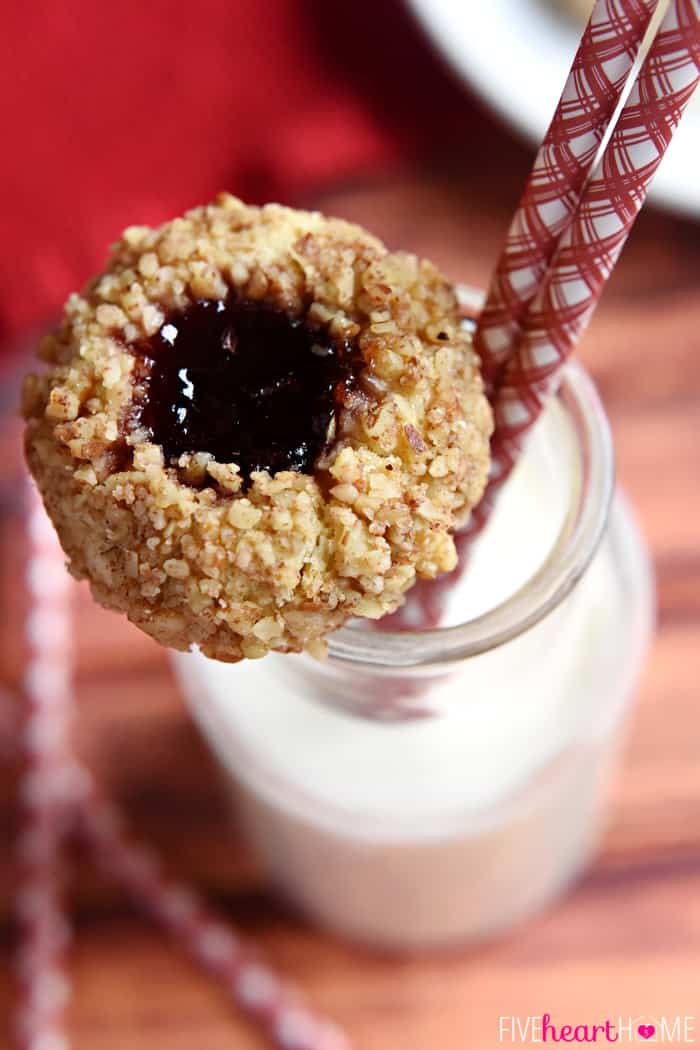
x,y
256,424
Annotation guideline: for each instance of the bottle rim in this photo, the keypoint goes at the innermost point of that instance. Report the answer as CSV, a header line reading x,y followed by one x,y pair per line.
x,y
361,645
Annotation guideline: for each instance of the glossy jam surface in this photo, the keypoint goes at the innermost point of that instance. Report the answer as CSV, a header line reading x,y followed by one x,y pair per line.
x,y
246,383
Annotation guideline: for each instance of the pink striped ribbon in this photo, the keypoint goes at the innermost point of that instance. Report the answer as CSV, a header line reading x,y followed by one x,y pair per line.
x,y
58,797
205,938
46,793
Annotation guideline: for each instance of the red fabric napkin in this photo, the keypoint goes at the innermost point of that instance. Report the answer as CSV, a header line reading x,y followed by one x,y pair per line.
x,y
130,112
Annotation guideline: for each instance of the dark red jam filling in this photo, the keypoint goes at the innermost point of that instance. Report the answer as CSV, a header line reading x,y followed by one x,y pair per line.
x,y
246,383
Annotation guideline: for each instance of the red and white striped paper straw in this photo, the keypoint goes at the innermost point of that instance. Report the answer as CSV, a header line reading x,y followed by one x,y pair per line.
x,y
545,290
589,247
594,86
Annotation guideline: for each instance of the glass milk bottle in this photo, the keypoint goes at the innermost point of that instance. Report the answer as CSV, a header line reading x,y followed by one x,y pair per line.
x,y
425,788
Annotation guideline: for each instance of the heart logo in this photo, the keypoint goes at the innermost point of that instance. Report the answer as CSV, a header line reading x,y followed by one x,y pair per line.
x,y
646,1030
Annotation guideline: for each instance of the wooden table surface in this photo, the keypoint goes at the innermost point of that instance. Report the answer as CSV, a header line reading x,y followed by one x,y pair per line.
x,y
626,941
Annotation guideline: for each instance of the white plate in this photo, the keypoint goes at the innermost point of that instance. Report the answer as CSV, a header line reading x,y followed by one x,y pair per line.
x,y
517,53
